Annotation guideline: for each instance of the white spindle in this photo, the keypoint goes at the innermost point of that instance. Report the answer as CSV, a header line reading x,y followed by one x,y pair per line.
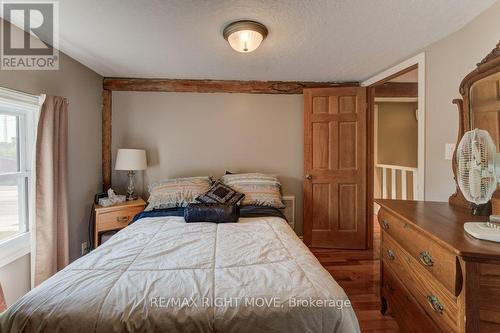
x,y
384,183
393,183
403,185
393,169
415,185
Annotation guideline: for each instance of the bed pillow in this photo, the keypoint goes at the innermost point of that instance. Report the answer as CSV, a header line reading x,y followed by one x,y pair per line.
x,y
178,192
259,189
221,194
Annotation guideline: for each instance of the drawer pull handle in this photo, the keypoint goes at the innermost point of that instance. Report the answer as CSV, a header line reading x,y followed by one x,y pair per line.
x,y
436,305
385,225
426,258
121,218
390,255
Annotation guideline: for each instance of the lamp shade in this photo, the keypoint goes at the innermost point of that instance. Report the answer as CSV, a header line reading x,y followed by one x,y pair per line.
x,y
245,40
131,159
245,36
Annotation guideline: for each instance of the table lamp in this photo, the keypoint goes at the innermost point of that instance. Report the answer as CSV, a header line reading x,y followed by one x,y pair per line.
x,y
131,160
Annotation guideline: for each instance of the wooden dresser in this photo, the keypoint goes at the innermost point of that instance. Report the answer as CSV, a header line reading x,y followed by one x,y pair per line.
x,y
435,277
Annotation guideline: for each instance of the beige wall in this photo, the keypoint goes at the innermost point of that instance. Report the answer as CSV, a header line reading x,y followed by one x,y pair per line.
x,y
447,62
82,87
397,134
189,134
397,143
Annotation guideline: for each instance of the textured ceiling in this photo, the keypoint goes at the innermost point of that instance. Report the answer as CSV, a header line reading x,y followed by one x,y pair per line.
x,y
319,40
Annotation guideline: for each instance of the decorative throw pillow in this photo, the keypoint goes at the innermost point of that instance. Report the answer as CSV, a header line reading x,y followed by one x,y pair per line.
x,y
258,188
217,213
220,193
178,192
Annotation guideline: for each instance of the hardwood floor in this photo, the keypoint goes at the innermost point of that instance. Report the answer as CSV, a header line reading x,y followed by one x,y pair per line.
x,y
358,272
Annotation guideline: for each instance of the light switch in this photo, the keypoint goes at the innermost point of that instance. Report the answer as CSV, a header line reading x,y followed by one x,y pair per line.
x,y
448,151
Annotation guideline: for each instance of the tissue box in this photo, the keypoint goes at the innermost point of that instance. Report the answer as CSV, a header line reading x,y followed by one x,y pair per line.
x,y
105,202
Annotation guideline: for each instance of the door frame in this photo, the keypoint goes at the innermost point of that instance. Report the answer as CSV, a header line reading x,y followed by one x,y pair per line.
x,y
416,62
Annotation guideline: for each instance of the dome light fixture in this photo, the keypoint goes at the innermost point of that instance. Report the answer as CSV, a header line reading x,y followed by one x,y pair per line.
x,y
245,36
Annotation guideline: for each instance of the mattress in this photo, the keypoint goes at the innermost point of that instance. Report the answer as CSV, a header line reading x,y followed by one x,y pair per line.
x,y
161,274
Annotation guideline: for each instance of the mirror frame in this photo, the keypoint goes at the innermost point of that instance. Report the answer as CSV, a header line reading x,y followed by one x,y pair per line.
x,y
488,66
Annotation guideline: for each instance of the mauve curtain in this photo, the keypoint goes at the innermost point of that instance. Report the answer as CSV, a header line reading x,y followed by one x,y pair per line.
x,y
51,249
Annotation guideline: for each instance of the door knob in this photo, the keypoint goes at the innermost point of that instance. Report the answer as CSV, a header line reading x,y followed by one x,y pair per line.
x,y
309,177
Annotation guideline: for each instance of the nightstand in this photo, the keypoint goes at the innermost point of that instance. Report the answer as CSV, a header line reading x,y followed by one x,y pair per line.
x,y
115,217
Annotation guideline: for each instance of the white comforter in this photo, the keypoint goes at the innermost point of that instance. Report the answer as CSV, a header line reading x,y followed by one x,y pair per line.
x,y
165,275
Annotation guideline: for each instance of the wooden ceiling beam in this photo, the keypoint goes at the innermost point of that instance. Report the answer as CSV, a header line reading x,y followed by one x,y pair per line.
x,y
106,139
217,86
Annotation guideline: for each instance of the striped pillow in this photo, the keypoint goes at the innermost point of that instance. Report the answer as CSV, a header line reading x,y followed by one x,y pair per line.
x,y
259,189
178,192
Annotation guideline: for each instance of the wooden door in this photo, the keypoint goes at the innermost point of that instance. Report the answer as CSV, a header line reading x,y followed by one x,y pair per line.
x,y
335,167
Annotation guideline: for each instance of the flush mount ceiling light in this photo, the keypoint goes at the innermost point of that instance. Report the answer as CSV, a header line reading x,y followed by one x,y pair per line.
x,y
245,36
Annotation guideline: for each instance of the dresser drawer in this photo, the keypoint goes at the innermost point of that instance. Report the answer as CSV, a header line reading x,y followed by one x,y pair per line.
x,y
441,262
116,219
403,306
437,302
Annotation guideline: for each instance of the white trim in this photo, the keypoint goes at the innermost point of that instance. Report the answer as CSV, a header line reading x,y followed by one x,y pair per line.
x,y
14,248
393,70
396,167
19,95
419,60
396,99
20,174
32,207
18,101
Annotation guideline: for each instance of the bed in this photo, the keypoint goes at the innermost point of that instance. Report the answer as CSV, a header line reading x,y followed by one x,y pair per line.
x,y
161,274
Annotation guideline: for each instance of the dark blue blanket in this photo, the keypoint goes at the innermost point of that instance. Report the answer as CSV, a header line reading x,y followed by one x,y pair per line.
x,y
245,211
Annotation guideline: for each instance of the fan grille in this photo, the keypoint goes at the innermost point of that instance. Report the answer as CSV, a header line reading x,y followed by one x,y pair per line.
x,y
475,166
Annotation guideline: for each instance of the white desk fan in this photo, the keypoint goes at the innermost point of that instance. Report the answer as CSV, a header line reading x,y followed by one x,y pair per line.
x,y
478,172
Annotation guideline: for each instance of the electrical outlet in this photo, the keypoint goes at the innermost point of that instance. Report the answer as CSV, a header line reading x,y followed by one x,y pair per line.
x,y
85,248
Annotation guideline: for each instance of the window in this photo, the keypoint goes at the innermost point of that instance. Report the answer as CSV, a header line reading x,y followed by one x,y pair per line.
x,y
14,179
17,113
